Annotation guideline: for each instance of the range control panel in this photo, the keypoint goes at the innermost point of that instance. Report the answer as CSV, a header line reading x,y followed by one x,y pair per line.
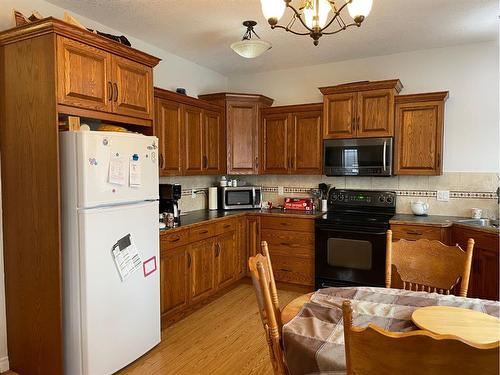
x,y
362,198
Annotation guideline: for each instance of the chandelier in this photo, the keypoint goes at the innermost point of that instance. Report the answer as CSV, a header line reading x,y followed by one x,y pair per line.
x,y
248,47
314,15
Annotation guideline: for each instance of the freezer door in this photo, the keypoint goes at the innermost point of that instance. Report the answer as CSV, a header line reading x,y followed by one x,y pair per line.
x,y
120,319
115,168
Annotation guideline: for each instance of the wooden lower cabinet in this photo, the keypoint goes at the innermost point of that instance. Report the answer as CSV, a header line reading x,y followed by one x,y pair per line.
x,y
418,232
291,247
225,259
484,278
173,271
201,261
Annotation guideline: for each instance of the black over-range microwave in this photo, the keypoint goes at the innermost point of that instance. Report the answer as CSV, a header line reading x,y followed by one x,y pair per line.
x,y
358,157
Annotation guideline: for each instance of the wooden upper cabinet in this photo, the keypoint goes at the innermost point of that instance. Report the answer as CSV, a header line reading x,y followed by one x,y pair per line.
x,y
168,129
274,140
340,116
242,129
193,147
375,111
360,109
116,81
291,139
305,142
83,75
213,143
132,88
419,132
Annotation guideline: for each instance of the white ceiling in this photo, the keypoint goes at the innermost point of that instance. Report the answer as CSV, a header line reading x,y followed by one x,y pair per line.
x,y
202,30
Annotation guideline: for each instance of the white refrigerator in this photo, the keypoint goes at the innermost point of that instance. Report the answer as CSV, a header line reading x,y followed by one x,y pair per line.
x,y
110,249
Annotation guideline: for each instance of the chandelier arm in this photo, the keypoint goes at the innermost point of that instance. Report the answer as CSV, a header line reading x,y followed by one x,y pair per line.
x,y
289,30
298,15
341,29
336,16
257,35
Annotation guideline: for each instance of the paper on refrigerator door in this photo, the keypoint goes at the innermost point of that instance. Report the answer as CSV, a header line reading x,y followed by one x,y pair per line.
x,y
135,172
117,170
126,257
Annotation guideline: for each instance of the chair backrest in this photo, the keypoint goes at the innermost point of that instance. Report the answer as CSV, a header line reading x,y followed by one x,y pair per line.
x,y
426,265
374,351
267,298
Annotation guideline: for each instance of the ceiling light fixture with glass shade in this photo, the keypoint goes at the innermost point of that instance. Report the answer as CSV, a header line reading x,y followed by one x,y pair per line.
x,y
248,47
315,17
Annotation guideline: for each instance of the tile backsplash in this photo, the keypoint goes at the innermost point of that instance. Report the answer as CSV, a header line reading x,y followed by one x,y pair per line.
x,y
467,190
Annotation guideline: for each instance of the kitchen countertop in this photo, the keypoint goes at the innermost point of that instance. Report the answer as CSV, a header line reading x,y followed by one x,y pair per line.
x,y
200,216
439,221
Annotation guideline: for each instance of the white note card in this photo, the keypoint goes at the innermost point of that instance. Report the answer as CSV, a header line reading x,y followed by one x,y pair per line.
x,y
135,172
117,170
126,256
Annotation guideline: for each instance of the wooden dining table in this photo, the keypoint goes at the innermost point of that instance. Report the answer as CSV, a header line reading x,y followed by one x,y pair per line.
x,y
312,323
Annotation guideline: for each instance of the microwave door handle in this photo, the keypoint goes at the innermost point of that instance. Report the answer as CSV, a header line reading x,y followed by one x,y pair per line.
x,y
253,197
384,156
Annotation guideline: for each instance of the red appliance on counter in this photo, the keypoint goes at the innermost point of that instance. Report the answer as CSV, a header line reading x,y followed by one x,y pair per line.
x,y
303,204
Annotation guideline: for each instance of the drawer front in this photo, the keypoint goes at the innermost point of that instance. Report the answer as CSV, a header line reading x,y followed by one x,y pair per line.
x,y
289,243
482,240
293,270
416,232
202,232
286,223
170,240
225,226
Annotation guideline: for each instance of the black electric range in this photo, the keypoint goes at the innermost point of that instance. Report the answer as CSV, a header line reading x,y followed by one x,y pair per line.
x,y
350,238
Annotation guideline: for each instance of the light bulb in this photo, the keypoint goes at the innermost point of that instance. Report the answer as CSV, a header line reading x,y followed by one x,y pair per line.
x,y
316,13
273,10
359,9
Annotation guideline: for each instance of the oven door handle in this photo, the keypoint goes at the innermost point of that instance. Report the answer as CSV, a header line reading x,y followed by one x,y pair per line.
x,y
384,156
351,231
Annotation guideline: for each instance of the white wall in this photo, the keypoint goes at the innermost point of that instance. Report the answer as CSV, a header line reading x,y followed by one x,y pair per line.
x,y
469,72
172,72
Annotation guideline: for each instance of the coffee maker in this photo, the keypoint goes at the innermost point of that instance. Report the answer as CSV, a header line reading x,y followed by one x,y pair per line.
x,y
169,196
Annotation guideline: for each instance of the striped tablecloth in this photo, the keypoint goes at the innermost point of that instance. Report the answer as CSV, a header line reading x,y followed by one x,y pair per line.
x,y
314,339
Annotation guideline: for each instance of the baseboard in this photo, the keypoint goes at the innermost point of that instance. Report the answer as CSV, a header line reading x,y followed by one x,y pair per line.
x,y
4,364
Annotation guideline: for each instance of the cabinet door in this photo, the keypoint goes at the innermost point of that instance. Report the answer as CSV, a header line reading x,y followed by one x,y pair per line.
x,y
213,143
275,157
132,88
202,269
485,274
84,78
242,138
225,255
305,143
419,138
193,140
375,114
339,116
174,279
253,239
169,130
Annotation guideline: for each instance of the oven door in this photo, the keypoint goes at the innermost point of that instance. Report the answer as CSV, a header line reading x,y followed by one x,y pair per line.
x,y
358,157
350,256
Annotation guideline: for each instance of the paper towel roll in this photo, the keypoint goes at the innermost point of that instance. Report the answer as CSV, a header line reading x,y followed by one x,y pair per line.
x,y
212,198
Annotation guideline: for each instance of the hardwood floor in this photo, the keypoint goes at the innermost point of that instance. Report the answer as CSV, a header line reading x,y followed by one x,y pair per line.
x,y
223,337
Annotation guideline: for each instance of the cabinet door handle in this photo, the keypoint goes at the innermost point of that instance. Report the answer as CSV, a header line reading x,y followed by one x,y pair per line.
x,y
203,232
256,162
285,270
174,239
217,250
438,160
110,91
227,226
161,160
358,123
414,233
189,260
205,162
115,90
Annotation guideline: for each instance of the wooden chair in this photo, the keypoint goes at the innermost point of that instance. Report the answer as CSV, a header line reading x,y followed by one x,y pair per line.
x,y
374,351
429,266
267,298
